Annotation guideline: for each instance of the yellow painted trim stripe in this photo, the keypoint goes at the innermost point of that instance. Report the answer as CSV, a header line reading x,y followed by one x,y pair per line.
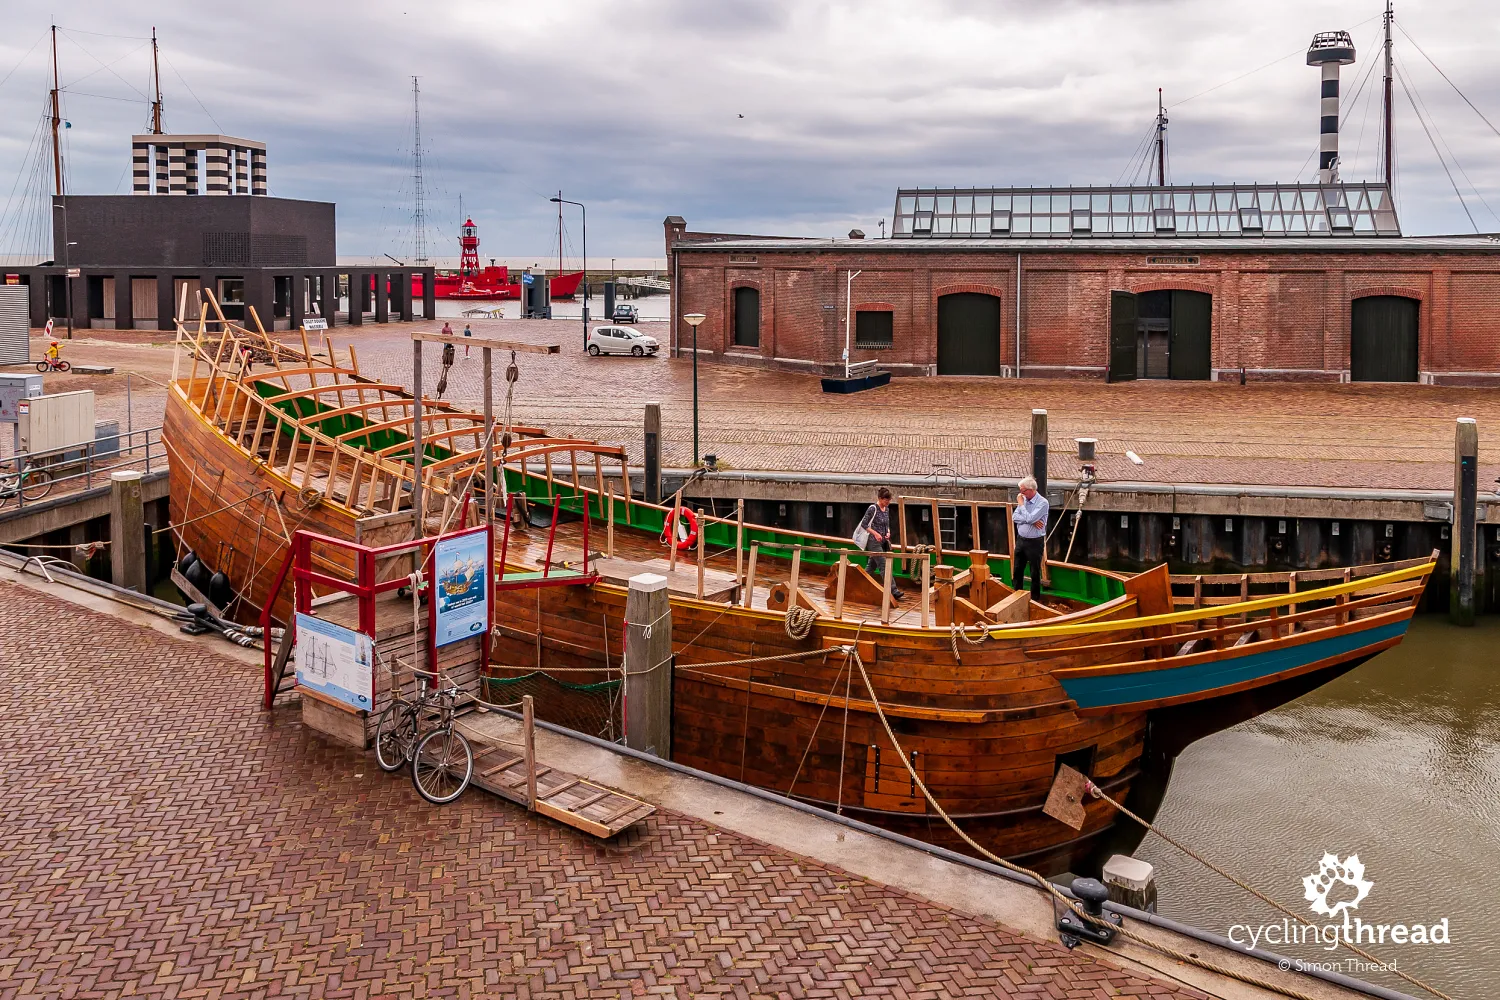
x,y
1218,610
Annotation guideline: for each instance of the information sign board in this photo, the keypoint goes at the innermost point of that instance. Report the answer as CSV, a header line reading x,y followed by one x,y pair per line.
x,y
335,662
461,587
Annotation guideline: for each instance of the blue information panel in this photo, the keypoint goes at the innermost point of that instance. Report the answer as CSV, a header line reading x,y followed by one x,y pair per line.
x,y
461,587
335,661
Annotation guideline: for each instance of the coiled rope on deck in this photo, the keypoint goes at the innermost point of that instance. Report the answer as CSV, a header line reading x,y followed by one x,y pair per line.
x,y
799,621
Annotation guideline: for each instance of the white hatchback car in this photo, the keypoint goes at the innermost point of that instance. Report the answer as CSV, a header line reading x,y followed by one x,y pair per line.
x,y
619,340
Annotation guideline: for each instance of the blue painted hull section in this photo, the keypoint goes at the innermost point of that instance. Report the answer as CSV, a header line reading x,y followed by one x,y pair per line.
x,y
1203,679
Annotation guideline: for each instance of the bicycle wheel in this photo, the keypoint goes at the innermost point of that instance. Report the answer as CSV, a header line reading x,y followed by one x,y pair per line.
x,y
442,766
395,735
63,366
36,483
42,366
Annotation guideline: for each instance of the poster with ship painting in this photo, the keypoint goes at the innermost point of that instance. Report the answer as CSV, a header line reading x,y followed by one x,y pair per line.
x,y
461,591
335,662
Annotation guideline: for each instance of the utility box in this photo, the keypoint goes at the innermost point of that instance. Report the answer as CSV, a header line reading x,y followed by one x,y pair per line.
x,y
13,389
15,331
58,422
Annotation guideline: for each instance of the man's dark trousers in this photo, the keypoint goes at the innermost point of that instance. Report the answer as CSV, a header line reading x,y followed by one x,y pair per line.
x,y
1028,553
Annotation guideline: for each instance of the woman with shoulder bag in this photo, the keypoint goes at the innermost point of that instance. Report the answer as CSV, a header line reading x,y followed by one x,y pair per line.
x,y
874,535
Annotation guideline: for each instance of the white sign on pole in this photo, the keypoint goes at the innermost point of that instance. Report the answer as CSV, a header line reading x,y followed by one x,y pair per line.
x,y
75,272
335,662
315,323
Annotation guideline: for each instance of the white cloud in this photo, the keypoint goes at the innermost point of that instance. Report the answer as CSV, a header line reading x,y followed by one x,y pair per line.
x,y
633,107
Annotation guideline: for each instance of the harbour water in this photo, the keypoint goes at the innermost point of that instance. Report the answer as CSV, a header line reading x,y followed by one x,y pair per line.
x,y
1397,761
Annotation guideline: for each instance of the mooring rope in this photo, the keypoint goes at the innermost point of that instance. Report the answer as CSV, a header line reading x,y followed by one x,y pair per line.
x,y
1099,793
1052,890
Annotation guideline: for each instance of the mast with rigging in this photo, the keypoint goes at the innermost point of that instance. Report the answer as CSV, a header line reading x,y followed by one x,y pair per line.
x,y
57,171
1389,108
156,128
419,208
1161,142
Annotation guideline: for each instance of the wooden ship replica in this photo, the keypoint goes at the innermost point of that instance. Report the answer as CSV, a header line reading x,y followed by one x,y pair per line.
x,y
988,691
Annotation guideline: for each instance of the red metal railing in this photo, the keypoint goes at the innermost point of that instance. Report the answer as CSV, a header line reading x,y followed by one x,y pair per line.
x,y
365,587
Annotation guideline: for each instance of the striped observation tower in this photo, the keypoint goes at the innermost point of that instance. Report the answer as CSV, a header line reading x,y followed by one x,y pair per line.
x,y
1330,50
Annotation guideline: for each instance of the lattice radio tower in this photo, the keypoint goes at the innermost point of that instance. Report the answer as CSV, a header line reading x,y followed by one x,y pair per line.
x,y
419,209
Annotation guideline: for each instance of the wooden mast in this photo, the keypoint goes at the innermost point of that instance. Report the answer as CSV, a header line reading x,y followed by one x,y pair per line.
x,y
156,81
56,122
1389,108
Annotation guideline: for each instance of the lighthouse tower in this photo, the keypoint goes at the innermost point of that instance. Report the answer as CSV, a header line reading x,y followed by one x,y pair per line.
x,y
468,245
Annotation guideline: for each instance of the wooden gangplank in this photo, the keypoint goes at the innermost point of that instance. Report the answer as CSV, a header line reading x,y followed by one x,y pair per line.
x,y
500,767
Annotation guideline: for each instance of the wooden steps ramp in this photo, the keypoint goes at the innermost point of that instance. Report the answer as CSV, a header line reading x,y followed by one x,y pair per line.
x,y
501,746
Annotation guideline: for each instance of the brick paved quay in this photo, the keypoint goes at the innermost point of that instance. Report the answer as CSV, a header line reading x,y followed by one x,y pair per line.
x,y
1266,434
161,837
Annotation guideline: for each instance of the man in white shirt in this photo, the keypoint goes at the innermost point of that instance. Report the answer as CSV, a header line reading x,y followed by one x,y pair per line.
x,y
1030,516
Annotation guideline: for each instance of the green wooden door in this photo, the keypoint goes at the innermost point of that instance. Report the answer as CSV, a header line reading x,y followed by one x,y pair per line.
x,y
747,317
968,334
1190,345
1124,312
1383,339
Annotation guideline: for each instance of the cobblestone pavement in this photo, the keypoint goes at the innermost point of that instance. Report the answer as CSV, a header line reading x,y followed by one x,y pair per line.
x,y
1278,434
161,837
1281,434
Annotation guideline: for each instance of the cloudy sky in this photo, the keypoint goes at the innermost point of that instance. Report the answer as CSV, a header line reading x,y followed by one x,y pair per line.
x,y
764,116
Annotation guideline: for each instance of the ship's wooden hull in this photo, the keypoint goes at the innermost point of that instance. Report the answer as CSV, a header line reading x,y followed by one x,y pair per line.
x,y
985,721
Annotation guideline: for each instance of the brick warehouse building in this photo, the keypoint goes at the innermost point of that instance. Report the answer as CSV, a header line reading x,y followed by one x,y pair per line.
x,y
1288,282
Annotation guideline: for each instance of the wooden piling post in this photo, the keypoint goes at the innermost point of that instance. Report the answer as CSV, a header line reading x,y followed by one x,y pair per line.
x,y
885,590
796,577
673,516
979,578
1039,450
528,737
943,580
1465,568
609,528
927,592
648,666
652,486
739,541
418,529
838,593
702,549
127,536
750,574
489,442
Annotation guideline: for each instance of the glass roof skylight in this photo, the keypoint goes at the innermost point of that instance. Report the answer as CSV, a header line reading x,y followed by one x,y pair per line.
x,y
1358,209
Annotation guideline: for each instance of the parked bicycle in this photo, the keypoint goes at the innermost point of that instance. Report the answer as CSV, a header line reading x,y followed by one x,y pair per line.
x,y
32,482
443,761
53,365
396,731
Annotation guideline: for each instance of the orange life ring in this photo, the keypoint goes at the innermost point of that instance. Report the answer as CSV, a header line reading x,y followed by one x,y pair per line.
x,y
670,529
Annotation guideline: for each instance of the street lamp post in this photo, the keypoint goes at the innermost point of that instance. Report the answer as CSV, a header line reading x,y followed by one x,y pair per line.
x,y
585,213
67,269
694,320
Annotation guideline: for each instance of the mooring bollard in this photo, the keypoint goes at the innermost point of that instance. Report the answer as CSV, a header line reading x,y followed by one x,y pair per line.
x,y
648,666
127,542
1131,882
1464,567
1039,450
652,487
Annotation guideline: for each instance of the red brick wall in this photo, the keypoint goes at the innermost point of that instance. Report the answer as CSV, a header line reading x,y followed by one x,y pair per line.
x,y
1280,315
